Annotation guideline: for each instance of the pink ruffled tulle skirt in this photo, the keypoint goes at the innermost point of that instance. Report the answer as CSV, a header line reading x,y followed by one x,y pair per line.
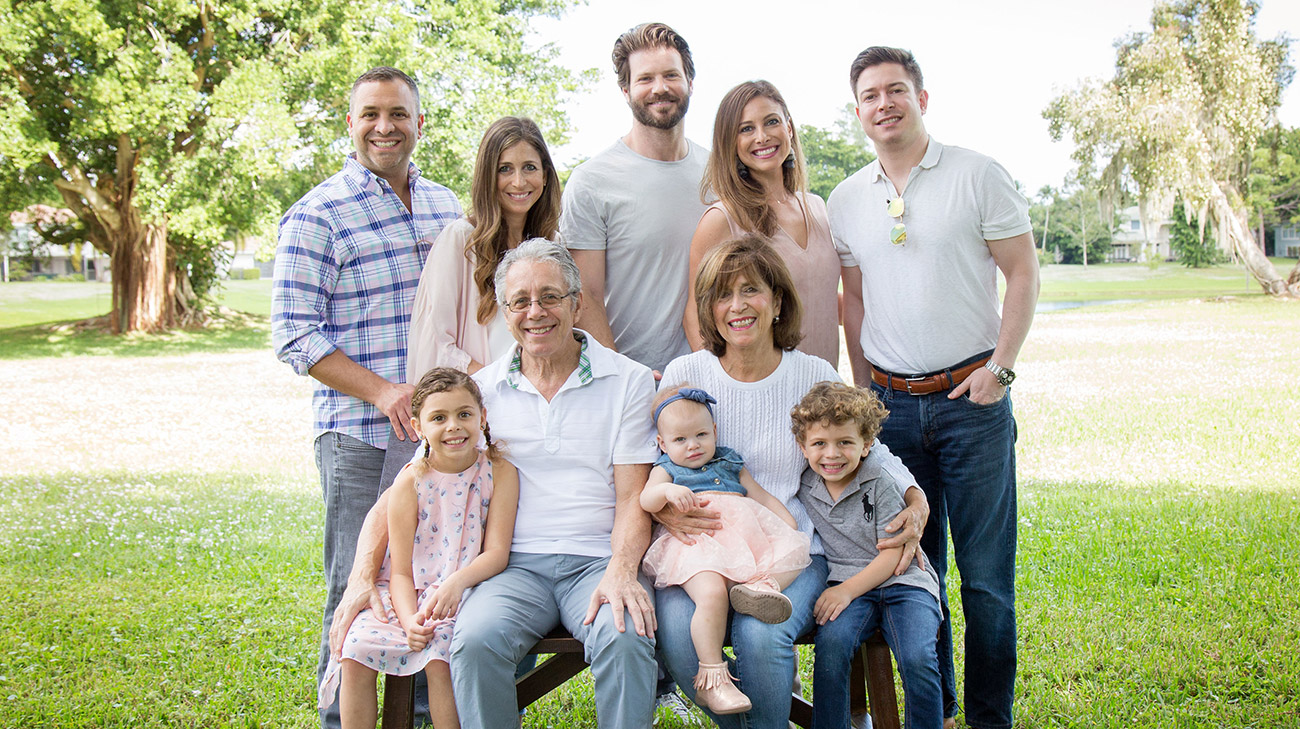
x,y
752,543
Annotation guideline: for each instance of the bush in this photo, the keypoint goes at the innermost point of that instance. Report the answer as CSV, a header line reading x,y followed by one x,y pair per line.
x,y
251,274
19,270
71,278
1189,246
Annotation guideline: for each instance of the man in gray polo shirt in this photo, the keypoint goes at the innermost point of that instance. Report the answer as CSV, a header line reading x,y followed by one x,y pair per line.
x,y
630,211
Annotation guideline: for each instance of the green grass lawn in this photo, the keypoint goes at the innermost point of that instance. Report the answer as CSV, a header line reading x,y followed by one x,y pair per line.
x,y
160,526
24,303
1143,281
28,303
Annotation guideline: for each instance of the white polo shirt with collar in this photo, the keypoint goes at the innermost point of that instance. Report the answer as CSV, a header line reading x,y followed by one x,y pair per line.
x,y
566,449
933,301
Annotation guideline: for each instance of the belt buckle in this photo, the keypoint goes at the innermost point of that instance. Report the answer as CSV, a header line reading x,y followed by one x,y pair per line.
x,y
909,380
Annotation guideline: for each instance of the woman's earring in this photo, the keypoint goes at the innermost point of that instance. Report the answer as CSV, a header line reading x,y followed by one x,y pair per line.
x,y
742,170
789,162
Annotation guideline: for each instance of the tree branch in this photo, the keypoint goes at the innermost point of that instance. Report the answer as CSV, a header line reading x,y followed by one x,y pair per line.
x,y
74,181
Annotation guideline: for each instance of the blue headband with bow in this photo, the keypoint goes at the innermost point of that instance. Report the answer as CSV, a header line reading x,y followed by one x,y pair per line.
x,y
693,394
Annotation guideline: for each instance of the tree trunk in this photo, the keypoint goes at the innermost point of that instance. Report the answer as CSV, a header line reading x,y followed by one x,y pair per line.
x,y
146,294
1083,224
1146,231
1252,256
1294,278
144,281
1047,225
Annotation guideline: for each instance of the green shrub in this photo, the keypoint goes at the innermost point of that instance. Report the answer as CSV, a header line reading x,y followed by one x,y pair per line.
x,y
1193,247
19,270
72,278
251,274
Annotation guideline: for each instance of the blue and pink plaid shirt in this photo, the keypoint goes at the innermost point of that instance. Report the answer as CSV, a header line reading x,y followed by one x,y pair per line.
x,y
346,269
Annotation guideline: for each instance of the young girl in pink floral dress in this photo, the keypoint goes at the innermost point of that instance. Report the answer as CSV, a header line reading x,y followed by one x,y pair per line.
x,y
442,540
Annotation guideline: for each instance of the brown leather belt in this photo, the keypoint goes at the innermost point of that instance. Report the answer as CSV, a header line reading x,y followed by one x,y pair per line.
x,y
925,384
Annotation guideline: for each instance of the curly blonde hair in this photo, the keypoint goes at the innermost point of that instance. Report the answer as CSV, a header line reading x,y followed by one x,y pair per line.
x,y
836,403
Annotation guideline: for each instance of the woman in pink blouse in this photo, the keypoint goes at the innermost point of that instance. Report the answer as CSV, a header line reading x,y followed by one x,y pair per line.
x,y
515,195
756,172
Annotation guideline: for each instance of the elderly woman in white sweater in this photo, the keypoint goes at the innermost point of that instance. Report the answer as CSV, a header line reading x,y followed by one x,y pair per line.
x,y
750,322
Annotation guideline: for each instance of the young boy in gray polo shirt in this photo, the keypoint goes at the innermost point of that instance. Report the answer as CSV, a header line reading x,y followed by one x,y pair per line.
x,y
850,499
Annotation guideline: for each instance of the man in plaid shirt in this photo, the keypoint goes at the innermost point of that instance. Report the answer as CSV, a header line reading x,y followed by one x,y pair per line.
x,y
346,269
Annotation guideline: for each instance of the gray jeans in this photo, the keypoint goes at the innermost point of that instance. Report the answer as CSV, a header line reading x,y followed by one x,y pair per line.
x,y
349,481
505,615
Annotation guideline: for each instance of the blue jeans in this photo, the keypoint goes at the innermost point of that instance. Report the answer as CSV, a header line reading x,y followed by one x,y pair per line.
x,y
909,617
963,457
349,481
765,654
505,616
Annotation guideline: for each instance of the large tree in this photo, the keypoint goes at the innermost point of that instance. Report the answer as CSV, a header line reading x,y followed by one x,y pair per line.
x,y
1181,118
169,126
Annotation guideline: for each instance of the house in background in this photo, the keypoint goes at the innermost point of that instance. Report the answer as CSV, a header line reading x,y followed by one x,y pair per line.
x,y
1286,241
242,261
1126,243
53,260
17,260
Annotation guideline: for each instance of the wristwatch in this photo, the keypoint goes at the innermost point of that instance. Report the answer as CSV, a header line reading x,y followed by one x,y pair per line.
x,y
1004,375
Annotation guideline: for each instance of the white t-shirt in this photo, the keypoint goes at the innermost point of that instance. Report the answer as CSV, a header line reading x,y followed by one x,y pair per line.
x,y
933,301
642,213
566,449
754,420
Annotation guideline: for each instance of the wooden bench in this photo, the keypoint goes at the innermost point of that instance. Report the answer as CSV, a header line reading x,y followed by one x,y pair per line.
x,y
872,669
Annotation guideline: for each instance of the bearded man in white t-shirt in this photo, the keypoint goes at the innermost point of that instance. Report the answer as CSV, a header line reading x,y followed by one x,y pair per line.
x,y
922,233
630,211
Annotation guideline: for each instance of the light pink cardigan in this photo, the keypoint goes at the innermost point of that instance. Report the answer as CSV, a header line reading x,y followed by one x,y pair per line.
x,y
444,322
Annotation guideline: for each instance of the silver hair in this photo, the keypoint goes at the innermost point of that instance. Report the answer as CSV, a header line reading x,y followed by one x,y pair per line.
x,y
538,250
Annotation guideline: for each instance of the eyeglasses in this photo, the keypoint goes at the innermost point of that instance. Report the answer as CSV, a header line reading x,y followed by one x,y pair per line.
x,y
898,233
547,301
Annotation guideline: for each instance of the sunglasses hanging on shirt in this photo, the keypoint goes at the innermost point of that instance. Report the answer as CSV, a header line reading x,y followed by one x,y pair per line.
x,y
897,234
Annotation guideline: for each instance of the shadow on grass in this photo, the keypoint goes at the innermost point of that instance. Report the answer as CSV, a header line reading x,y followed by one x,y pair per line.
x,y
232,332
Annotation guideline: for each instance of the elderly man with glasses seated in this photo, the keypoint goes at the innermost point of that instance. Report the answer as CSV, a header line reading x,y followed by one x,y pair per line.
x,y
574,419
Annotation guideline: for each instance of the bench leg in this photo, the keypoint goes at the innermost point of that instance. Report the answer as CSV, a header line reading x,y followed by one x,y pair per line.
x,y
547,676
880,682
399,702
800,711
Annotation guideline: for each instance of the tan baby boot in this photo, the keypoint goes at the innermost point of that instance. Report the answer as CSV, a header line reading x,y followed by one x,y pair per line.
x,y
715,691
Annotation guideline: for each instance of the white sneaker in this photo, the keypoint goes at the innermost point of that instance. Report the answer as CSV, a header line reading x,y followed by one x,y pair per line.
x,y
860,721
674,704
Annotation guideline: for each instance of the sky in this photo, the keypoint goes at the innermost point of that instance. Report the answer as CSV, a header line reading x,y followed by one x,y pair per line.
x,y
991,67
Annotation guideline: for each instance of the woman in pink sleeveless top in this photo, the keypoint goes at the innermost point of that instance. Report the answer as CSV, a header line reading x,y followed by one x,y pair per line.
x,y
756,172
